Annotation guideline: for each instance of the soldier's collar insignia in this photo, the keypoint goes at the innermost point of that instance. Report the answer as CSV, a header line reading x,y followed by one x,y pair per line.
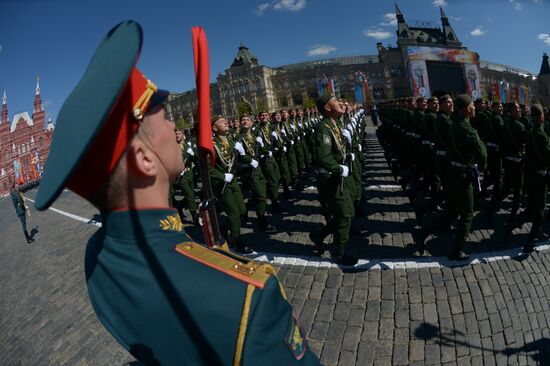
x,y
171,222
326,139
295,340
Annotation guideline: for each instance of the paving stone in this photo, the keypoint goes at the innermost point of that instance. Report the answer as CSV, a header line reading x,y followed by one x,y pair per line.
x,y
366,353
330,353
352,336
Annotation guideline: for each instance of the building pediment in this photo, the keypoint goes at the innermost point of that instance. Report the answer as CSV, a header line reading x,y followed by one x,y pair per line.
x,y
21,119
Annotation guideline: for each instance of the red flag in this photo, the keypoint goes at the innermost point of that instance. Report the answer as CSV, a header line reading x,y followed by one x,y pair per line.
x,y
202,77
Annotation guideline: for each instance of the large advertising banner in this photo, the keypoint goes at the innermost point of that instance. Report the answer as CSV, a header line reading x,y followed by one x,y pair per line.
x,y
473,86
442,54
419,78
416,57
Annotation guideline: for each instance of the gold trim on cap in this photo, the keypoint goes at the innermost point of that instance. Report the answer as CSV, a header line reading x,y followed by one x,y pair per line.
x,y
143,102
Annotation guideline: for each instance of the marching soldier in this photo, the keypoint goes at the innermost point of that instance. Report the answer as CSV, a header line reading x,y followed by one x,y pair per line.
x,y
268,163
512,141
537,168
184,182
465,151
224,181
492,133
21,209
252,175
290,140
279,140
165,299
333,176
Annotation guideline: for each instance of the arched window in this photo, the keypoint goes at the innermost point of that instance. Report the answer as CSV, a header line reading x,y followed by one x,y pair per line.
x,y
258,84
23,148
28,146
18,149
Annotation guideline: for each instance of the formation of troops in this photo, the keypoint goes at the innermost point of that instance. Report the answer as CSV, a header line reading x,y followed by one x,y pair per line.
x,y
461,156
262,154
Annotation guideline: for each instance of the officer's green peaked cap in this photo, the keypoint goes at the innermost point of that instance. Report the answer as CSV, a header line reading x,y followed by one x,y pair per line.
x,y
323,99
99,117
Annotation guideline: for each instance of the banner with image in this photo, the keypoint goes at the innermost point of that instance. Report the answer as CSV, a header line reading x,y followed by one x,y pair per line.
x,y
441,54
472,76
419,78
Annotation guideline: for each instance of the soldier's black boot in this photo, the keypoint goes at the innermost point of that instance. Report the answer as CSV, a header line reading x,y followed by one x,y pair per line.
x,y
419,238
28,237
238,244
286,192
457,254
529,246
195,217
263,224
317,237
341,257
275,207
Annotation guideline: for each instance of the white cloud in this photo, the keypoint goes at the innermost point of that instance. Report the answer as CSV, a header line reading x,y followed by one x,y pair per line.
x,y
478,32
262,8
456,19
320,50
545,37
377,33
290,5
537,1
389,19
441,3
0,48
517,4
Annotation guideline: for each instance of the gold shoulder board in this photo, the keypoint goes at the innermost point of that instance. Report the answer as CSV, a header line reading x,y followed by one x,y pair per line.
x,y
244,270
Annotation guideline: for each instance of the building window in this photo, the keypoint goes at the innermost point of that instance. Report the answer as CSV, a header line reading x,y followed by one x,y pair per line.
x,y
18,149
258,84
28,146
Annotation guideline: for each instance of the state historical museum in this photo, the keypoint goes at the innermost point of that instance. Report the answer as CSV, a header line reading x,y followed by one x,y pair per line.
x,y
24,144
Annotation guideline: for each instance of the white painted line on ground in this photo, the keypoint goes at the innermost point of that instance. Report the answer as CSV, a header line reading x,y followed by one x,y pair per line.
x,y
406,263
381,187
70,215
363,264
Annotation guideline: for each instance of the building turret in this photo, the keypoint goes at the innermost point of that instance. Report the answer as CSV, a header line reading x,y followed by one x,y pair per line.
x,y
403,31
5,118
450,36
545,66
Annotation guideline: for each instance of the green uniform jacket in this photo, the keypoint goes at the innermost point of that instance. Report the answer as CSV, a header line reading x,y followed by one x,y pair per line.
x,y
171,304
512,138
466,146
329,147
18,202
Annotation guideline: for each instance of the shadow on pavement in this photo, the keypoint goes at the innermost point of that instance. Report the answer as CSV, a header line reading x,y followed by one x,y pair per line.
x,y
538,350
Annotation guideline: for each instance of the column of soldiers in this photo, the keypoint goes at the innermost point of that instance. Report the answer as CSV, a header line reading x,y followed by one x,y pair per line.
x,y
454,152
259,155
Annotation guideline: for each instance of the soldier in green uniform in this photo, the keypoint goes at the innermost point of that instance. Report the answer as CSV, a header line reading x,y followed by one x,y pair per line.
x,y
512,141
21,209
333,176
279,135
268,163
164,298
290,140
184,182
537,167
492,133
304,128
465,150
298,148
229,154
251,174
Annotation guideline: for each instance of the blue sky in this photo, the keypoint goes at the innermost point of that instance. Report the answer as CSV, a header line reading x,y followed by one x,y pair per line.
x,y
55,39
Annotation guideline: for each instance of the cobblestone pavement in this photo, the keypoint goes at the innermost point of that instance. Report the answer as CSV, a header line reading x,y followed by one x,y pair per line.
x,y
491,313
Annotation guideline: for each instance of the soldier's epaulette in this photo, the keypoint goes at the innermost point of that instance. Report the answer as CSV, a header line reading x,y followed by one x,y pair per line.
x,y
241,268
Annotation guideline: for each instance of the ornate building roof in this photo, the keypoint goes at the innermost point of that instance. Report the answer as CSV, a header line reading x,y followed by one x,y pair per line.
x,y
244,56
